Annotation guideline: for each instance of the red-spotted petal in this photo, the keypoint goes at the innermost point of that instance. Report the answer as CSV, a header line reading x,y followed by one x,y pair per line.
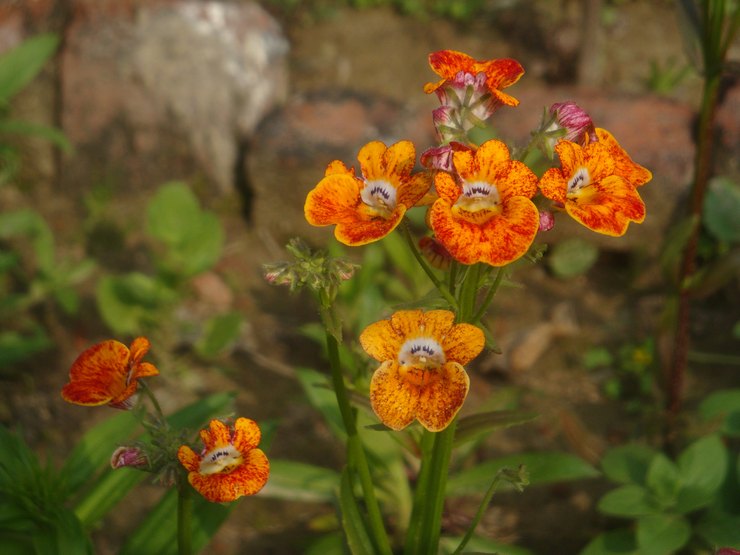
x,y
441,400
393,399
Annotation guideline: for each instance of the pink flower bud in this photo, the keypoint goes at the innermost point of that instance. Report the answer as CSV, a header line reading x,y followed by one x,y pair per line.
x,y
130,456
577,123
547,220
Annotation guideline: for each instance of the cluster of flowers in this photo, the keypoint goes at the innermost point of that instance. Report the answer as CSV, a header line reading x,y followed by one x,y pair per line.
x,y
480,209
229,465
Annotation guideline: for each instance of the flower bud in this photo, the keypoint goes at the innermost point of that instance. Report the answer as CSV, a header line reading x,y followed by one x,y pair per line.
x,y
130,456
547,220
579,128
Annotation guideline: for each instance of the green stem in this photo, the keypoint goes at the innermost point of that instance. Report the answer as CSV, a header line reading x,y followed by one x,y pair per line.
x,y
355,450
483,308
157,408
413,534
479,514
427,270
184,517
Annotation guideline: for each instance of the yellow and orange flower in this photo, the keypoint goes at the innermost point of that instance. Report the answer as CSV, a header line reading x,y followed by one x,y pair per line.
x,y
230,464
421,375
500,73
486,216
368,208
107,373
596,185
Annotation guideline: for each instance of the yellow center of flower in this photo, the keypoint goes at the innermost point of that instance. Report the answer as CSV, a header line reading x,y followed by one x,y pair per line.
x,y
479,202
222,459
419,358
380,197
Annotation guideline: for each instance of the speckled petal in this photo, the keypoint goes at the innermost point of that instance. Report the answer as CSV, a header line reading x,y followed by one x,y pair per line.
x,y
355,231
413,189
446,64
334,199
189,459
247,434
554,185
630,171
337,167
371,160
519,180
381,341
441,400
144,369
98,374
89,393
446,188
608,206
400,158
217,435
437,324
461,238
407,323
507,237
463,343
139,347
394,400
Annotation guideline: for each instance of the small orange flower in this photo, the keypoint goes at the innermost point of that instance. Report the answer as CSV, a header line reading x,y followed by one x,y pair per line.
x,y
421,376
596,185
500,73
489,216
230,464
369,208
108,373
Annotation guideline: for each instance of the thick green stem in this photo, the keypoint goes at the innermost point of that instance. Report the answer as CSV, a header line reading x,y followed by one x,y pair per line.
x,y
184,517
355,450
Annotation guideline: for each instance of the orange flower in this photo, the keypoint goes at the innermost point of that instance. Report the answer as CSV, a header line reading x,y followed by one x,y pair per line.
x,y
596,184
108,373
230,464
369,208
499,73
489,216
421,376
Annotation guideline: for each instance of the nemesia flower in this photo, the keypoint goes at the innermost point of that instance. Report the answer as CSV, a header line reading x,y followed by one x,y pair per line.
x,y
624,167
486,216
421,375
230,464
593,189
107,373
365,209
458,71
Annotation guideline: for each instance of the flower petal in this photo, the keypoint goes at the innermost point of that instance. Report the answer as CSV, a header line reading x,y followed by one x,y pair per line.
x,y
407,323
89,393
518,181
217,435
554,185
400,158
393,399
189,459
463,343
413,189
334,199
337,167
354,231
247,435
381,341
139,347
441,400
631,171
144,369
437,323
608,207
446,188
371,160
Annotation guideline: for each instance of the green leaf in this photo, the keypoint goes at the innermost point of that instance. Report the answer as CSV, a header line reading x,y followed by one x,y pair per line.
x,y
21,64
157,534
628,464
94,449
470,427
702,467
720,528
627,501
16,347
572,257
663,480
321,397
662,534
355,532
543,468
298,481
172,212
721,207
128,303
723,406
51,134
614,542
221,332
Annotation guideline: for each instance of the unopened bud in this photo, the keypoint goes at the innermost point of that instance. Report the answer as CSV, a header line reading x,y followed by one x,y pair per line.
x,y
129,456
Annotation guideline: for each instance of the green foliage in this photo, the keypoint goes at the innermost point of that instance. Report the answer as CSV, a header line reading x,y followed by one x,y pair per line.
x,y
673,502
32,275
665,78
572,257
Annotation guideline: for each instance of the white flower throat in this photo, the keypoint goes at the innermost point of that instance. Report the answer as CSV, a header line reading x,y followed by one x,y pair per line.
x,y
380,196
581,178
221,459
421,352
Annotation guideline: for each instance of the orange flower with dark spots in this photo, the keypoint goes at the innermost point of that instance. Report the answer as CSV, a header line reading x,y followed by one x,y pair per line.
x,y
421,376
230,464
107,373
367,208
486,215
499,73
596,185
